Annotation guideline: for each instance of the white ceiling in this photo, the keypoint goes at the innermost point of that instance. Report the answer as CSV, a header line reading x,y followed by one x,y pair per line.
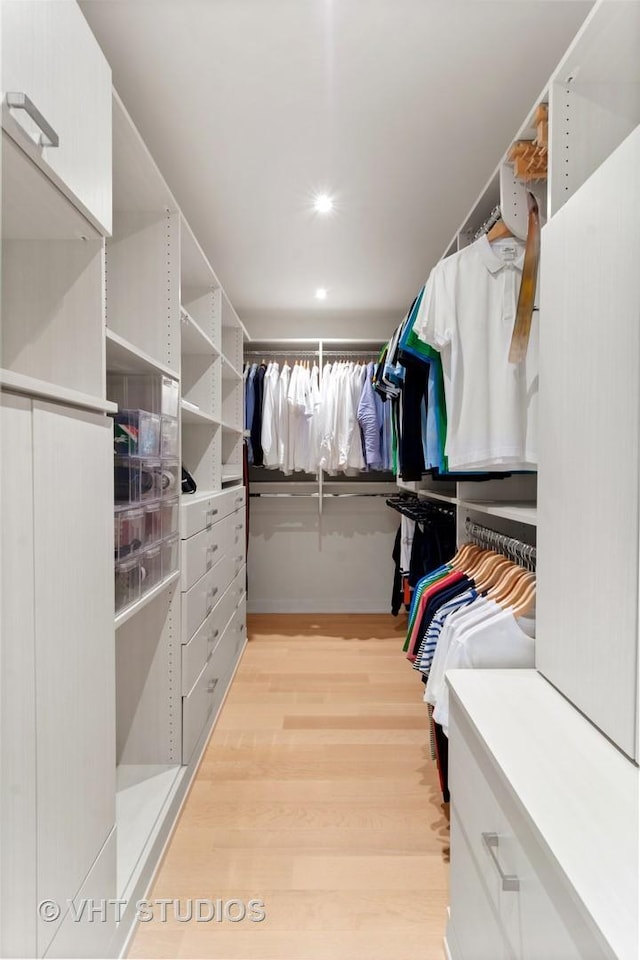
x,y
400,109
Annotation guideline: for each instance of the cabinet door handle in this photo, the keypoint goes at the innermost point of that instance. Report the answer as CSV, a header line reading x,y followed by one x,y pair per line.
x,y
20,101
509,881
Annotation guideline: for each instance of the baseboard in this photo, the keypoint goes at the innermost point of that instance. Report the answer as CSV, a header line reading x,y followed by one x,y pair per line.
x,y
304,605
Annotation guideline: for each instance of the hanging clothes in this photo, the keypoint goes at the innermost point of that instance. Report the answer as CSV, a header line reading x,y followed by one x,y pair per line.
x,y
467,313
256,420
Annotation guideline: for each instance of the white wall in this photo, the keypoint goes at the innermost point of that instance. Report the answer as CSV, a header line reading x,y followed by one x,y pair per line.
x,y
318,323
338,563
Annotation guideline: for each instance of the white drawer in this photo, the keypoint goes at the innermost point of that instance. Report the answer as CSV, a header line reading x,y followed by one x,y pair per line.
x,y
474,931
202,551
539,919
204,642
210,687
198,513
200,600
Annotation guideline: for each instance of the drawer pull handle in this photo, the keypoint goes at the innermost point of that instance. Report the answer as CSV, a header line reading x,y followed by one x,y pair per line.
x,y
239,499
239,526
241,628
210,514
215,634
212,685
20,101
509,881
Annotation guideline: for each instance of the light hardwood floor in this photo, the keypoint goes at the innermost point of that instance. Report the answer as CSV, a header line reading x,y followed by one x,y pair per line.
x,y
316,795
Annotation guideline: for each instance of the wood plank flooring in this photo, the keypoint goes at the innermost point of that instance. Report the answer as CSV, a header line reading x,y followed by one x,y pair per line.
x,y
316,795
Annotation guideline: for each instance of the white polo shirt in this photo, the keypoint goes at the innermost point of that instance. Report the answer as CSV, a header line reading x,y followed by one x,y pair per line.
x,y
468,313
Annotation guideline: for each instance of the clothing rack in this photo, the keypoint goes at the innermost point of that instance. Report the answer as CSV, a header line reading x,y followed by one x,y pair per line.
x,y
417,509
521,553
492,219
314,496
311,353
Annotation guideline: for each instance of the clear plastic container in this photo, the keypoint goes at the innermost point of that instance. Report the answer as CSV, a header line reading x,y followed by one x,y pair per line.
x,y
152,523
170,478
136,433
169,438
170,554
170,510
150,480
169,404
151,566
126,480
135,391
128,576
128,532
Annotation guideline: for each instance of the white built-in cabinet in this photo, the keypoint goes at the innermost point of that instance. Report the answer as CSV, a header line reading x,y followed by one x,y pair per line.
x,y
55,73
104,717
545,798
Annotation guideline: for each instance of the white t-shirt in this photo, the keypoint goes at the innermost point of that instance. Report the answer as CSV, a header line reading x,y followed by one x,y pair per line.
x,y
269,439
468,313
499,642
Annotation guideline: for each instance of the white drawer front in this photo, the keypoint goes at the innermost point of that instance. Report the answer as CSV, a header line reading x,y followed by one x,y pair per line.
x,y
474,926
200,514
200,600
537,909
205,641
210,687
202,551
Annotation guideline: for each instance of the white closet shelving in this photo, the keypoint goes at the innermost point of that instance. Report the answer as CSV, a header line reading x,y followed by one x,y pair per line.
x,y
538,756
167,315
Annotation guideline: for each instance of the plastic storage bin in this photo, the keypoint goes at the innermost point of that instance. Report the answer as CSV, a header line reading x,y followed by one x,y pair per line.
x,y
126,480
170,510
151,565
152,523
169,403
169,438
170,554
170,478
136,433
128,532
128,575
135,391
150,480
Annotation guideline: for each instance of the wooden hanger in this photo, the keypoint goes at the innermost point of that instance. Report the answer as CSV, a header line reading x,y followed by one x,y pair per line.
x,y
464,554
492,574
518,590
526,603
499,231
503,587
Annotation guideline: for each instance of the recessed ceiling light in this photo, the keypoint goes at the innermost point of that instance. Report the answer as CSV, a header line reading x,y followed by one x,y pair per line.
x,y
321,293
323,203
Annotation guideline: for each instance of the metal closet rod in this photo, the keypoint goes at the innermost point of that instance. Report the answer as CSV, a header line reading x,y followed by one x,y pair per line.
x,y
316,496
311,353
491,220
522,553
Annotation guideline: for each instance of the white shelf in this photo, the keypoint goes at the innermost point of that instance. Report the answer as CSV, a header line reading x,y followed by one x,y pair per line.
x,y
430,495
231,473
231,429
190,414
229,372
138,184
187,498
521,512
20,383
193,339
136,607
123,357
143,792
